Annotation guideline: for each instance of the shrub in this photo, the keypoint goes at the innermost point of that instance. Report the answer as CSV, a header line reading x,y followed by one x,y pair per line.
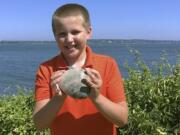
x,y
16,115
153,99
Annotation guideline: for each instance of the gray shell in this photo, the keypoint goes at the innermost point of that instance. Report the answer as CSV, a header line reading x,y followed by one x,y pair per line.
x,y
72,83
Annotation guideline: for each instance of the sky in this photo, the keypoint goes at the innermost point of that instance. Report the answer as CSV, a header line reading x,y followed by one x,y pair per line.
x,y
111,19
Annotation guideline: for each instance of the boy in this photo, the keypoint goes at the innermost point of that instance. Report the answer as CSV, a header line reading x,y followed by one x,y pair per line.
x,y
105,108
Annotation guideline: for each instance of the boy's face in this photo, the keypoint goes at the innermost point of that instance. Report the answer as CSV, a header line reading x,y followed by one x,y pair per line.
x,y
71,36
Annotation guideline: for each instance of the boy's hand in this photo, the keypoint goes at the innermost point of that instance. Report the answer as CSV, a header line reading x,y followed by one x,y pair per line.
x,y
55,80
94,80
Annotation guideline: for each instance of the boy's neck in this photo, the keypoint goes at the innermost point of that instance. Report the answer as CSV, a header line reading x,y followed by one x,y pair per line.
x,y
79,62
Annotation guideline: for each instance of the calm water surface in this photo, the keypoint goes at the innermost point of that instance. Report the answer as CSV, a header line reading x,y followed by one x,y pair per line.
x,y
20,60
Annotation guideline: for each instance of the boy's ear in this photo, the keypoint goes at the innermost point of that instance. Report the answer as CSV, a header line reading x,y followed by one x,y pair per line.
x,y
89,31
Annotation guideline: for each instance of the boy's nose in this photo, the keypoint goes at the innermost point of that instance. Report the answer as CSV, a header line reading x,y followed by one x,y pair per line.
x,y
69,38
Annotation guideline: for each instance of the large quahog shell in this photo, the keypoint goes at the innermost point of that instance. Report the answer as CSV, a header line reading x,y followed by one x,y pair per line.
x,y
72,83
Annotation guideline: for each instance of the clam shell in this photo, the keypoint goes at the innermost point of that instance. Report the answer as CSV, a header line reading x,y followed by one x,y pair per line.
x,y
72,83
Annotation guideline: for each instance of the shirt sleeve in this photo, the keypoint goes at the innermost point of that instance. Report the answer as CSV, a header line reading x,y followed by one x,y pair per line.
x,y
115,87
42,84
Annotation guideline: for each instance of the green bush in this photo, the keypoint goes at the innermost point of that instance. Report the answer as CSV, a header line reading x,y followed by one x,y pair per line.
x,y
153,98
16,115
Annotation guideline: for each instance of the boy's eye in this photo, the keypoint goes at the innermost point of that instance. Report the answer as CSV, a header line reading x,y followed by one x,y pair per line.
x,y
61,34
75,32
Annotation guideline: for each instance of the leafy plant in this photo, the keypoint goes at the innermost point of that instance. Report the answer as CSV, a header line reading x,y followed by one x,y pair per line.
x,y
153,99
16,115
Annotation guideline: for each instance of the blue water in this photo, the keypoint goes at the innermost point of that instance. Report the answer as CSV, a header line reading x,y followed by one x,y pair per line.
x,y
20,60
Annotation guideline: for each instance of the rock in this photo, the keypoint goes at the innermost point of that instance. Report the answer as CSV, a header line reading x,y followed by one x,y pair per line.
x,y
72,83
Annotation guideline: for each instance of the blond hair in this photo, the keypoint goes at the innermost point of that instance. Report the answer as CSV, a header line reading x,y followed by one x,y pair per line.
x,y
71,10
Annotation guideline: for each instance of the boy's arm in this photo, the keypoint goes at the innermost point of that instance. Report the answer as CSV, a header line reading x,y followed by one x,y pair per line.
x,y
46,110
117,113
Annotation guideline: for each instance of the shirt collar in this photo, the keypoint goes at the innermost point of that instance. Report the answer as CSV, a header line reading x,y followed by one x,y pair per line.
x,y
89,58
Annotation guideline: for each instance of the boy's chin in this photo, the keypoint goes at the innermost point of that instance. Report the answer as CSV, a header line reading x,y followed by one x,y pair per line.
x,y
73,55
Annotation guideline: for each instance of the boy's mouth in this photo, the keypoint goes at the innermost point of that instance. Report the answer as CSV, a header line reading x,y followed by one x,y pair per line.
x,y
70,46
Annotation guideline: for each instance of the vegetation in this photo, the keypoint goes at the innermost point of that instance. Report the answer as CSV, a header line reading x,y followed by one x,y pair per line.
x,y
16,115
153,96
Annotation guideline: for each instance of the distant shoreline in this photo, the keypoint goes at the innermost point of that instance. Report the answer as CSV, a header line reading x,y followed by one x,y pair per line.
x,y
123,40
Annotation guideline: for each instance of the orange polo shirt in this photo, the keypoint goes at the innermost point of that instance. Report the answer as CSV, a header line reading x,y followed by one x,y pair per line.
x,y
80,116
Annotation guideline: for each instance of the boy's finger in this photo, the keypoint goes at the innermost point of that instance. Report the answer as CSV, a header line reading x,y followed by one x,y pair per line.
x,y
89,83
56,81
58,90
57,74
92,73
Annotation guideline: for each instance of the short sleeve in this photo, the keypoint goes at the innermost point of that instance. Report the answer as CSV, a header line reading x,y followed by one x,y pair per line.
x,y
115,87
42,85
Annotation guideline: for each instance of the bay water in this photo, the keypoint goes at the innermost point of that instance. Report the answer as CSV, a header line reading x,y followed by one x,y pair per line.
x,y
19,60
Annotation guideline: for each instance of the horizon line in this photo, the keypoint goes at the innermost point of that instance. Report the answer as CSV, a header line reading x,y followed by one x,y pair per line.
x,y
89,40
